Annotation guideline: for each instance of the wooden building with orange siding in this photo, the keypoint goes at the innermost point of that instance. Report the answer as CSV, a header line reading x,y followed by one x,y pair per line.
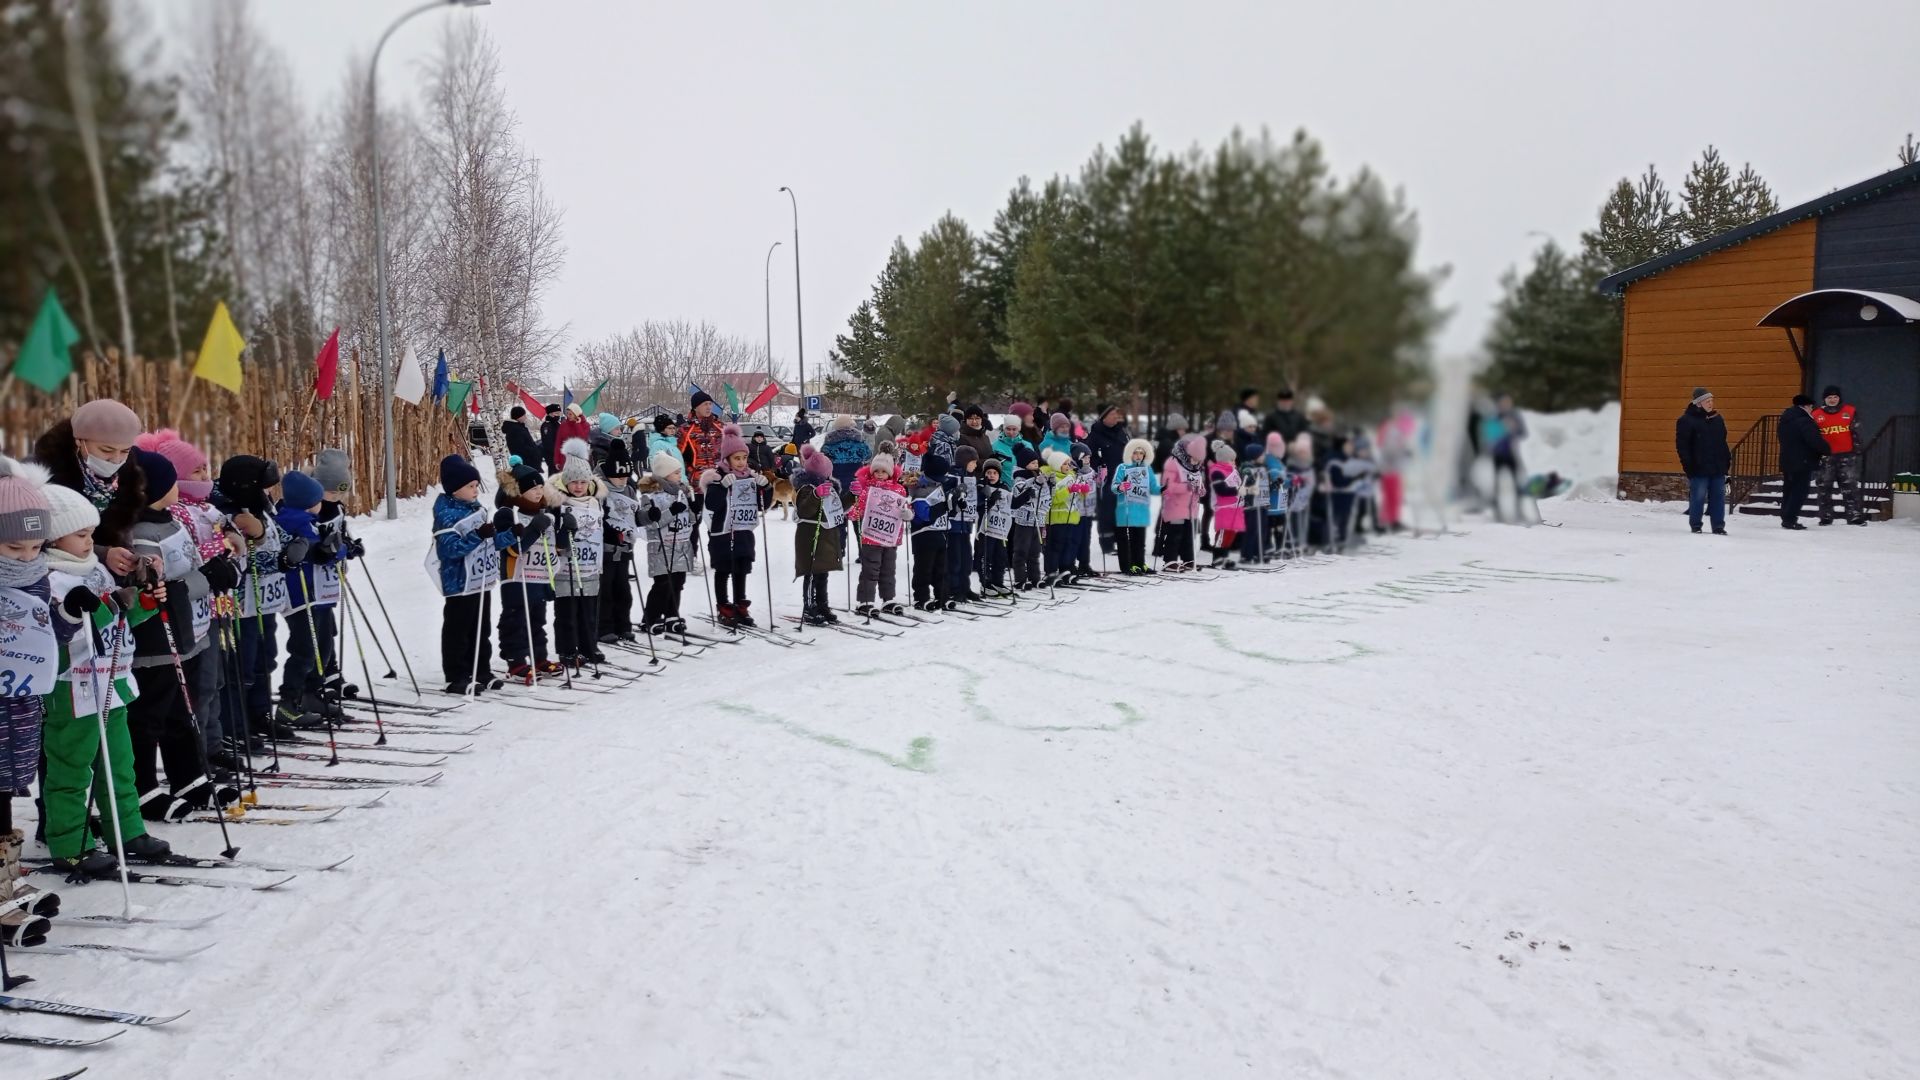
x,y
1820,293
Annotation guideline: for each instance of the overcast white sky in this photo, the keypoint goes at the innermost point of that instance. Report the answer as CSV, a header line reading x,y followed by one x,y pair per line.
x,y
667,129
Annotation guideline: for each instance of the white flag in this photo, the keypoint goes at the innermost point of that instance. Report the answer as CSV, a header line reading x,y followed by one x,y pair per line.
x,y
409,385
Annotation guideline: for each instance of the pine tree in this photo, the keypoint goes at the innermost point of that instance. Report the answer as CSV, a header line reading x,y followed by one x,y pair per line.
x,y
1909,151
1555,340
1713,200
1637,223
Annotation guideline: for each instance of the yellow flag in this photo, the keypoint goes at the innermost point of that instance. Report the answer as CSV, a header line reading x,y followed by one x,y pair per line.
x,y
219,361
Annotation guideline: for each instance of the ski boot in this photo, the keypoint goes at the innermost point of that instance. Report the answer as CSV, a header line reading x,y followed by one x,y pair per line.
x,y
893,607
148,848
30,899
87,864
741,616
521,672
815,617
549,667
866,611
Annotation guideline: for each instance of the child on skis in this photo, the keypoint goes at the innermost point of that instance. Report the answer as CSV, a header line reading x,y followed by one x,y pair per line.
x,y
965,516
331,469
1030,502
96,666
1086,504
526,573
580,553
1182,481
28,667
996,524
309,626
465,555
244,493
206,527
1061,520
616,590
668,510
1223,478
881,508
161,717
1134,485
817,536
733,494
1253,502
932,521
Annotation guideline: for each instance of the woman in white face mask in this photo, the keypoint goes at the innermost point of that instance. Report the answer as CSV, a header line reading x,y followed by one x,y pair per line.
x,y
85,454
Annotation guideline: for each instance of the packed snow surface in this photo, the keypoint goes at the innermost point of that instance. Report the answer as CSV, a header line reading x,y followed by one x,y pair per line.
x,y
1605,800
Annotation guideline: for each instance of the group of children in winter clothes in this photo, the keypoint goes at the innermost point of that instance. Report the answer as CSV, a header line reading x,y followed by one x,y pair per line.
x,y
138,599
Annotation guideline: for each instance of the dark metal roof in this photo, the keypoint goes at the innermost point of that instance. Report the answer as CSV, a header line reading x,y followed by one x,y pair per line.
x,y
1825,204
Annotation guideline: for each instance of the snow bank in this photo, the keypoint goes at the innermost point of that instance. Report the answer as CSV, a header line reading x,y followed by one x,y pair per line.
x,y
1582,445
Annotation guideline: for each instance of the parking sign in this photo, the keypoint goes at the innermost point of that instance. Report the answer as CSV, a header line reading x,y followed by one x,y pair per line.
x,y
813,403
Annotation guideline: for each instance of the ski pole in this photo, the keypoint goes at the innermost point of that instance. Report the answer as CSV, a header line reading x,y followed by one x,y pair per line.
x,y
199,742
633,582
766,564
566,669
313,638
378,645
359,647
260,634
119,841
408,664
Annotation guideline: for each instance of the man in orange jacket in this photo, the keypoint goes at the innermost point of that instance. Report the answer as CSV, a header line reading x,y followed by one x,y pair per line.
x,y
1842,464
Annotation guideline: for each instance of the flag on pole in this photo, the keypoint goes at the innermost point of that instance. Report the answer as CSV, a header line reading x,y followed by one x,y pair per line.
x,y
733,399
592,404
760,399
409,385
456,395
532,403
694,388
473,403
441,377
220,350
566,396
326,367
45,358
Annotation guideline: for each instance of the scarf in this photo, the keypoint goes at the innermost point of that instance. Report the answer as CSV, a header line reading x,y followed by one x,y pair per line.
x,y
15,574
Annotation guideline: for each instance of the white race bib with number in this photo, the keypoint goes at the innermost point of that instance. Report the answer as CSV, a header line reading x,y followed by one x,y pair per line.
x,y
29,655
590,543
88,668
831,510
743,506
999,520
880,522
1139,483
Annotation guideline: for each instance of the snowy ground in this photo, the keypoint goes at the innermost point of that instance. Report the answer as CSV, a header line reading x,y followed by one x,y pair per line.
x,y
1607,800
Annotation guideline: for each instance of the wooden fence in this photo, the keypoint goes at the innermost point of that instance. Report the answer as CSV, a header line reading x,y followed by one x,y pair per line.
x,y
274,416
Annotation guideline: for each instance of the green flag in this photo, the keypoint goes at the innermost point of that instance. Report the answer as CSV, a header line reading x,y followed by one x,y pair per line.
x,y
733,398
592,404
45,357
457,395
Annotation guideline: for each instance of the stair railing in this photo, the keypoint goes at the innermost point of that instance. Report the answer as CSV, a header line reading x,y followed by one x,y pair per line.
x,y
1756,459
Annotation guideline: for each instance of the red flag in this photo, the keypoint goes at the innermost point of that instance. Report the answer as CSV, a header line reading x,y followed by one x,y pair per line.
x,y
763,397
327,367
533,403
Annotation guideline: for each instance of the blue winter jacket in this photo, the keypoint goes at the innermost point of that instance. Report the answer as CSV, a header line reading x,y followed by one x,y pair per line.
x,y
848,451
1053,440
300,523
657,442
1128,513
1003,449
1276,484
453,547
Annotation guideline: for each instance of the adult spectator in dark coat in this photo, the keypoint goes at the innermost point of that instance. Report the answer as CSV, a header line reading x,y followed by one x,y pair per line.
x,y
1107,441
1284,418
1700,438
803,432
520,440
549,438
974,432
1801,448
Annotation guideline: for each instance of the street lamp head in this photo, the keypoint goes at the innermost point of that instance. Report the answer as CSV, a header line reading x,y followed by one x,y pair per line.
x,y
784,187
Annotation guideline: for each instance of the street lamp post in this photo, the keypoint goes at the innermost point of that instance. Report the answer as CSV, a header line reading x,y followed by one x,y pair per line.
x,y
799,334
768,283
380,240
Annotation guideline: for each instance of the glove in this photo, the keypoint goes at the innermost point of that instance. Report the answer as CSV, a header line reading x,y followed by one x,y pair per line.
x,y
295,553
124,599
678,508
485,531
221,574
906,513
1126,485
727,480
569,525
503,519
653,513
921,512
328,549
356,548
80,601
760,479
535,527
823,491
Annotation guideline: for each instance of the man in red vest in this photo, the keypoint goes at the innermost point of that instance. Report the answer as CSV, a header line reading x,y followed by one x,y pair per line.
x,y
1842,463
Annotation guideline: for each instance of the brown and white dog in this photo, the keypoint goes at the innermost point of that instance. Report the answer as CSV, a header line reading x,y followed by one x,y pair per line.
x,y
783,497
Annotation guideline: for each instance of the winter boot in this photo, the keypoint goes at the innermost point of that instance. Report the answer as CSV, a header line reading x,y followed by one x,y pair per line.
x,y
866,611
521,672
813,616
741,616
827,613
893,607
676,625
724,615
44,904
458,688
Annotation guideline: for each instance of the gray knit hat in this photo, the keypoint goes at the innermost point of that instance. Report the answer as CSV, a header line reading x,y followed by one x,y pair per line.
x,y
330,468
1176,421
579,464
1701,392
24,513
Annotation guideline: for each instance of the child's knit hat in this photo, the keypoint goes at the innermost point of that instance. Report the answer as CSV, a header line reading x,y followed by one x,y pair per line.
x,y
964,454
1061,423
1024,454
330,468
1222,451
607,421
949,424
1224,422
663,465
1054,459
1253,452
815,463
24,511
933,466
1079,450
578,467
303,492
1276,444
661,422
881,461
1195,447
456,472
167,442
1176,422
158,472
730,442
72,511
1021,409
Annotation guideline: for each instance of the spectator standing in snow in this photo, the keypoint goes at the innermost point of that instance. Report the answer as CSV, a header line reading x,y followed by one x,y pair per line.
x,y
1501,433
1107,442
520,440
549,438
1284,418
1801,448
1700,437
1842,465
803,432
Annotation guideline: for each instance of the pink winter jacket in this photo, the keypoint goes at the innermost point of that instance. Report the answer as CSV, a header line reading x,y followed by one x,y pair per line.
x,y
1179,503
1227,513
